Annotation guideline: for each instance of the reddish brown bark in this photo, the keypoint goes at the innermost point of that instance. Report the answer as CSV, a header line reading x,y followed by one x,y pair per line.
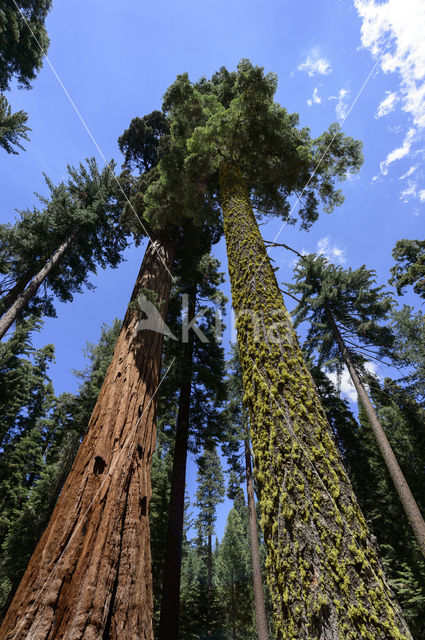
x,y
90,574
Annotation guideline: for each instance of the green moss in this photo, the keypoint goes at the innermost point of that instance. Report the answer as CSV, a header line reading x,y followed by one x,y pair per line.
x,y
319,558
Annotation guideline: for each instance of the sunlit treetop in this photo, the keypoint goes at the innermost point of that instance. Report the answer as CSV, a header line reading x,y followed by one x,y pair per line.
x,y
233,117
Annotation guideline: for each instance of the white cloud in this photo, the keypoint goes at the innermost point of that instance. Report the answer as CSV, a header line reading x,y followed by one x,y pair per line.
x,y
422,195
331,252
316,99
316,64
408,173
388,104
399,152
342,106
345,384
395,29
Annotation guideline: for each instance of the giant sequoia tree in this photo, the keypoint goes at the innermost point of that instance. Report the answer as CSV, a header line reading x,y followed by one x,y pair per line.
x,y
230,137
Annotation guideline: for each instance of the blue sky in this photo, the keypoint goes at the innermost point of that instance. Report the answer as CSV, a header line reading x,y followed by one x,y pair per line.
x,y
116,59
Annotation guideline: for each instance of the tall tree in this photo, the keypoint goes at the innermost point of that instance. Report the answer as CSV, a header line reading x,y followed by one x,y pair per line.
x,y
233,577
409,268
209,494
200,366
345,310
232,138
110,479
95,549
79,230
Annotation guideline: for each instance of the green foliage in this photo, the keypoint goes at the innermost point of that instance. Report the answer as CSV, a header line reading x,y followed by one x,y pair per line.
x,y
409,331
357,306
12,127
23,40
234,578
409,268
145,140
234,117
209,494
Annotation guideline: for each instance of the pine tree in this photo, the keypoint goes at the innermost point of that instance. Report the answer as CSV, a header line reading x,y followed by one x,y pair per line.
x,y
230,137
345,311
78,230
233,577
409,268
209,494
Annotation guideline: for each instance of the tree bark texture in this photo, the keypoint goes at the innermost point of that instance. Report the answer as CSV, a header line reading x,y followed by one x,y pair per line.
x,y
324,576
170,599
23,298
260,608
90,574
408,501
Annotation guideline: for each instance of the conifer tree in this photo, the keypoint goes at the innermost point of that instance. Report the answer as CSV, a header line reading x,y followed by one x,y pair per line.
x,y
209,494
233,577
78,231
228,136
198,380
409,335
106,497
345,310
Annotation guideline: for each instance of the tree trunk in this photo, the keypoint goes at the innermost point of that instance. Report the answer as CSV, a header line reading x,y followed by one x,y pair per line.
x,y
22,299
324,576
15,292
90,574
408,501
260,609
170,599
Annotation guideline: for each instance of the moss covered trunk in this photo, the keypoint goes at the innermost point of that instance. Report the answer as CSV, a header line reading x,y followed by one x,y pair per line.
x,y
323,572
90,574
